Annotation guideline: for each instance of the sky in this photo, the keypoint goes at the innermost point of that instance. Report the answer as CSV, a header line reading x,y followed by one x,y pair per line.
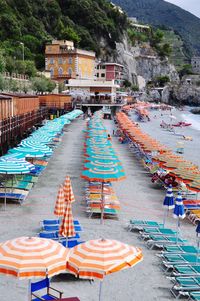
x,y
192,6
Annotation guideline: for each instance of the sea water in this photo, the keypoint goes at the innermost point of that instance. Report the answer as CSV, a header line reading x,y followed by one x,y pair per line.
x,y
194,119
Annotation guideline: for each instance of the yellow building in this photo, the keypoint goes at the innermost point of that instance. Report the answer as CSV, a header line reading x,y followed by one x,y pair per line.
x,y
65,62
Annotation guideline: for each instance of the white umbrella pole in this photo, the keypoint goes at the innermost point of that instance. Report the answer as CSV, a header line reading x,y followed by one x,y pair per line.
x,y
29,290
165,216
102,203
178,229
100,289
5,194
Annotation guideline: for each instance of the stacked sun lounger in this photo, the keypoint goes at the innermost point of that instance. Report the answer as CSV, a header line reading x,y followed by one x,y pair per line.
x,y
50,230
180,260
93,194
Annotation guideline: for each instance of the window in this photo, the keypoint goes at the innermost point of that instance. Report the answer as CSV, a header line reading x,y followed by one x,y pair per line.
x,y
60,71
70,71
103,75
52,72
70,60
51,61
60,60
97,75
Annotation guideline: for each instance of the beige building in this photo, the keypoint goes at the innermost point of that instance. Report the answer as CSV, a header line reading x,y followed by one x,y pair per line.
x,y
64,61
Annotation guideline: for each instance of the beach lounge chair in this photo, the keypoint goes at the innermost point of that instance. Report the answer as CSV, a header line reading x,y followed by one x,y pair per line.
x,y
51,293
184,285
141,224
53,222
170,260
179,250
194,296
13,196
160,241
186,270
145,234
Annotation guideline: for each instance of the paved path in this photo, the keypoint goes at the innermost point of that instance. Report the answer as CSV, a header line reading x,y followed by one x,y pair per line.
x,y
139,199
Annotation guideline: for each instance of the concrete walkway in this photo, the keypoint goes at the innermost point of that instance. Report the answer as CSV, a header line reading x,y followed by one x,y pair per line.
x,y
138,198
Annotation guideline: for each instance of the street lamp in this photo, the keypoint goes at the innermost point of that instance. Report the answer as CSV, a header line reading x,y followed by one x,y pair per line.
x,y
21,43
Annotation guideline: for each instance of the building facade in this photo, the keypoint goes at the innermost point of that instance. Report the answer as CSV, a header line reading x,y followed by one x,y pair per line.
x,y
110,72
195,62
64,62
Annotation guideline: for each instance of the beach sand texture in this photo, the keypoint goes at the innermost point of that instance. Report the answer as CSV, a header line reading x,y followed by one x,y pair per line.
x,y
139,199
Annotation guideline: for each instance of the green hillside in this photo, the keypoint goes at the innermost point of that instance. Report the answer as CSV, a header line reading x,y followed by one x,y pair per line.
x,y
159,12
36,22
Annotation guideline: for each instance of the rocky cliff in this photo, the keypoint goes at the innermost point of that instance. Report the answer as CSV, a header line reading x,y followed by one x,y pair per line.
x,y
185,92
142,64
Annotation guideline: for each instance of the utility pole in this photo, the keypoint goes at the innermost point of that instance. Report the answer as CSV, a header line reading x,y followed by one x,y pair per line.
x,y
21,43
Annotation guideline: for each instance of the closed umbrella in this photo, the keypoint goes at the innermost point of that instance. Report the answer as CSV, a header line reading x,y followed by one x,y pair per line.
x,y
168,202
68,191
67,226
60,204
95,259
179,211
32,257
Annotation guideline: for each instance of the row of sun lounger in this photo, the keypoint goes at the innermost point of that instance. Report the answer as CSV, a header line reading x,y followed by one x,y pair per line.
x,y
180,261
93,195
50,230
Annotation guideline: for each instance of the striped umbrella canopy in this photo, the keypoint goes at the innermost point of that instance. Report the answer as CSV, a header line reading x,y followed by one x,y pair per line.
x,y
105,174
168,202
14,167
67,226
37,146
95,156
102,165
179,211
95,259
28,152
60,204
68,191
102,161
15,160
41,137
30,257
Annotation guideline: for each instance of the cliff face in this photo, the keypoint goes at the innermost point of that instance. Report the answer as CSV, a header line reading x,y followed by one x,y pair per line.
x,y
142,63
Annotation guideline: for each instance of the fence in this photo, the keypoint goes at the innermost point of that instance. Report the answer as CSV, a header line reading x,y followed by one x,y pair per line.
x,y
14,128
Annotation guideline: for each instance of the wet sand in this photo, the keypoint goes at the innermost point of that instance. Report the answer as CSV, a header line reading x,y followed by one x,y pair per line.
x,y
139,199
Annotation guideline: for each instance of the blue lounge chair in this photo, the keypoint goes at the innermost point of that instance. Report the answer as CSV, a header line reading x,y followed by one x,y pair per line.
x,y
145,234
186,270
184,285
194,296
141,224
172,260
41,286
160,241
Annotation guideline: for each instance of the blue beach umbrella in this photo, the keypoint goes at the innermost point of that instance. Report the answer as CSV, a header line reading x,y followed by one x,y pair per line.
x,y
32,144
12,168
179,211
28,152
168,202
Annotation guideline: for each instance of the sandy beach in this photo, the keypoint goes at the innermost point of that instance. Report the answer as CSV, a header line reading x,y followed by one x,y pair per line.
x,y
139,199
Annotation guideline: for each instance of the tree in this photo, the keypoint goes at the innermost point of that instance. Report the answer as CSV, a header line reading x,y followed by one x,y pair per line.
x,y
126,83
161,80
186,69
42,85
13,85
61,87
2,61
2,83
30,68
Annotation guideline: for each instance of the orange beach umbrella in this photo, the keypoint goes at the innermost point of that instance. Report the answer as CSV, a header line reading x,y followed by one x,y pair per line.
x,y
67,226
68,192
32,257
95,259
60,204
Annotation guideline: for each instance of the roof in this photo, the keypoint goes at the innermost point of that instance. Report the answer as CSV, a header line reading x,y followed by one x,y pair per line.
x,y
4,97
20,95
